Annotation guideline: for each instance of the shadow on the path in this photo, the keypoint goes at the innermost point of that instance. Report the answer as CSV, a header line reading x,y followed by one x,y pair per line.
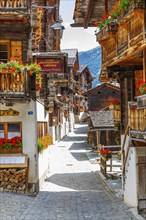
x,y
74,138
79,156
81,130
76,181
78,146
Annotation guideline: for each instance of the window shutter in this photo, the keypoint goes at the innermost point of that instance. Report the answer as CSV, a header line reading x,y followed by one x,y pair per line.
x,y
16,50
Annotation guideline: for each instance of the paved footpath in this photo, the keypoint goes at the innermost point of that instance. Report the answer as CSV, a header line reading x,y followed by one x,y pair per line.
x,y
72,190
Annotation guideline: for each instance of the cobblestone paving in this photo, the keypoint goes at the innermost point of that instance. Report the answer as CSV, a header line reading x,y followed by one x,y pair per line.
x,y
72,190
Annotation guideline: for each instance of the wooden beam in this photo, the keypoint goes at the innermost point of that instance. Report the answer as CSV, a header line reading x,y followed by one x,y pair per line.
x,y
81,25
118,68
144,51
88,13
144,64
106,6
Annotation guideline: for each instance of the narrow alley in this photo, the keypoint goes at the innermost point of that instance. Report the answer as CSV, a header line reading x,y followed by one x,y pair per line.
x,y
72,190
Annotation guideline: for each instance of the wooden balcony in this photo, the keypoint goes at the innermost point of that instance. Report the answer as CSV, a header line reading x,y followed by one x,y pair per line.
x,y
116,111
13,5
18,86
134,8
107,32
137,122
124,45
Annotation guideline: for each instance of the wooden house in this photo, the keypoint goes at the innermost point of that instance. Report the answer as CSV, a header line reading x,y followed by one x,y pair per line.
x,y
84,79
123,42
73,67
101,96
26,97
103,104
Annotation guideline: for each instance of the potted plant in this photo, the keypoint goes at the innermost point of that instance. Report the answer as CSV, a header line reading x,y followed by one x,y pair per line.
x,y
33,68
107,154
12,66
141,86
13,145
38,82
44,142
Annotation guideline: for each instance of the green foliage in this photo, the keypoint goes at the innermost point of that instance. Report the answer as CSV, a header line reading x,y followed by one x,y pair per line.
x,y
124,5
44,142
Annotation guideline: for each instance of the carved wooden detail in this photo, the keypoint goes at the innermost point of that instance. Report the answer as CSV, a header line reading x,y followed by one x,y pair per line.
x,y
9,112
16,50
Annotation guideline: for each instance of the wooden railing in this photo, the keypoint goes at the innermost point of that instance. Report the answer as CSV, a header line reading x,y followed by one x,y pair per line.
x,y
13,4
12,82
137,117
116,111
128,33
14,85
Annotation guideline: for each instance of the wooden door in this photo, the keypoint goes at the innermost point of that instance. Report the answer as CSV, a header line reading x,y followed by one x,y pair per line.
x,y
141,183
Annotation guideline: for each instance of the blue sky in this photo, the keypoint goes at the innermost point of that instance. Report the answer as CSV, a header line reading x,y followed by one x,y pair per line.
x,y
80,38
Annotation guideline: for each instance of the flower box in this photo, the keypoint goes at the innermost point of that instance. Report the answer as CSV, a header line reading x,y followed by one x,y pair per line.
x,y
11,151
106,154
136,7
13,145
141,101
108,31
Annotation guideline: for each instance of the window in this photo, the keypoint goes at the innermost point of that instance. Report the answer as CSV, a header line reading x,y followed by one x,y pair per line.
x,y
10,49
1,130
4,52
42,129
9,130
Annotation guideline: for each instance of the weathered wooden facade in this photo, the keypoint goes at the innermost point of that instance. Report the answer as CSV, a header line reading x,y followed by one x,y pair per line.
x,y
123,42
26,28
84,78
104,114
89,11
100,96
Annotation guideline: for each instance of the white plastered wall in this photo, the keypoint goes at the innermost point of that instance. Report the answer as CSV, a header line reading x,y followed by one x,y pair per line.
x,y
130,189
29,133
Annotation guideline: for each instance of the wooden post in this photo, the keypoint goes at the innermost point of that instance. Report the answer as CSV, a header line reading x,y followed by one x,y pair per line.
x,y
107,138
144,51
144,64
103,166
111,162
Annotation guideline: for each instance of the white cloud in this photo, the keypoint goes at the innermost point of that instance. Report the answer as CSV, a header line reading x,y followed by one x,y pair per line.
x,y
90,30
66,24
78,38
70,45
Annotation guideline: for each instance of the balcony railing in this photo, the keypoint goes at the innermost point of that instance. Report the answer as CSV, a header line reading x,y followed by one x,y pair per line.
x,y
118,40
116,111
137,118
13,4
134,8
137,124
107,31
13,85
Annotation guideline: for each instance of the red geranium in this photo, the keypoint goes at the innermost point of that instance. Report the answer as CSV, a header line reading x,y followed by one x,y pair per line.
x,y
106,153
141,86
15,142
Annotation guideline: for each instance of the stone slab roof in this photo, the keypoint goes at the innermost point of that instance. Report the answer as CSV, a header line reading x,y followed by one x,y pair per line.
x,y
102,118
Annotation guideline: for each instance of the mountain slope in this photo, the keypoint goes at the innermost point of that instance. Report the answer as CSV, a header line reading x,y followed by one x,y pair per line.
x,y
92,59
